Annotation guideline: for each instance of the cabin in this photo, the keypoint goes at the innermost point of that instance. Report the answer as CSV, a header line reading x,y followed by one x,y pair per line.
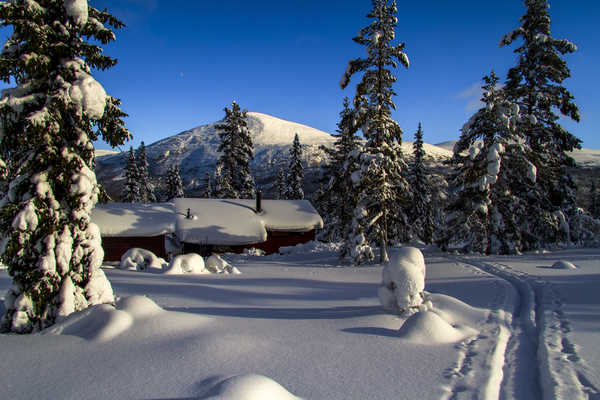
x,y
127,225
205,226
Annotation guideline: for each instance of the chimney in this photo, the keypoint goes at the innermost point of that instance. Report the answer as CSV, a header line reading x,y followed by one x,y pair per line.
x,y
258,201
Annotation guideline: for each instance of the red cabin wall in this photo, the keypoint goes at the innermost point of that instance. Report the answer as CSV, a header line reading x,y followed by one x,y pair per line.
x,y
274,241
115,247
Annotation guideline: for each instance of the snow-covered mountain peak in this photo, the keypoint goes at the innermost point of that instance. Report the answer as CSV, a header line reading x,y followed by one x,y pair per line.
x,y
268,130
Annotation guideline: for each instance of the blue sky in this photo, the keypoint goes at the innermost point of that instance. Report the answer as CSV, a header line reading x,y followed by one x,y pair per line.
x,y
182,61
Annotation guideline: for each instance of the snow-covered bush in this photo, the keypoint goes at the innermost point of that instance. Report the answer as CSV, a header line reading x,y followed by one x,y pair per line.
x,y
142,260
254,252
191,263
217,265
403,282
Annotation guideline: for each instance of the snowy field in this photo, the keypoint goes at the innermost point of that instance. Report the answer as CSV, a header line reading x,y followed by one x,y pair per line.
x,y
297,324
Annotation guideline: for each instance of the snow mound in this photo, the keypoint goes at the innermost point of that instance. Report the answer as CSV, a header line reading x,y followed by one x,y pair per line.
x,y
562,264
217,265
139,306
97,323
191,263
427,327
105,322
137,259
403,281
249,387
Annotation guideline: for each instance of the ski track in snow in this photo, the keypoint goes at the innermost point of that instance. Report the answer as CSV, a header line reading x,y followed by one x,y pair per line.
x,y
477,372
541,362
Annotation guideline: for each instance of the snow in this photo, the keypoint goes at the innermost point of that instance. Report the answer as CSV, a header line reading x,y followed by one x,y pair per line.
x,y
186,264
88,93
103,152
266,129
249,387
134,219
427,327
225,222
235,222
77,10
584,157
98,290
403,281
562,264
218,265
299,326
26,219
142,260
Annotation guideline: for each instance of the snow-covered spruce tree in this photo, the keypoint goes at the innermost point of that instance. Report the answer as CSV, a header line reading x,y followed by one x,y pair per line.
x,y
174,183
131,191
223,189
237,151
335,200
208,190
146,187
594,200
493,180
421,217
280,189
381,189
536,85
49,121
295,177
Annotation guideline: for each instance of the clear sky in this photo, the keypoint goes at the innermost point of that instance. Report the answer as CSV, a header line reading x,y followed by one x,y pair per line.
x,y
182,61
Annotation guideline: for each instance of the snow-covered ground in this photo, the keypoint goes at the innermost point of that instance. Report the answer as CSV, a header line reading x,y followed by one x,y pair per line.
x,y
299,325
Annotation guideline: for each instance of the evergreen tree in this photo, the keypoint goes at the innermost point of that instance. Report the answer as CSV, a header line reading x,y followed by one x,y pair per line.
x,y
493,180
49,122
594,200
422,217
536,85
335,200
381,188
174,183
146,187
280,193
208,190
238,150
131,192
223,189
295,178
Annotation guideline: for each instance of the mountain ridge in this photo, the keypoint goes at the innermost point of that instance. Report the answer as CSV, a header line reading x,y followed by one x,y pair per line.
x,y
195,152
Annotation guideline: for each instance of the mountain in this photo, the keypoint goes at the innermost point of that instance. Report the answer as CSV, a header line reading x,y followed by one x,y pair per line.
x,y
195,151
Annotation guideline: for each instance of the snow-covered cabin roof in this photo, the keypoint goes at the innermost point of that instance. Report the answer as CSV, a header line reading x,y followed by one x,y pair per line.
x,y
233,222
134,219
